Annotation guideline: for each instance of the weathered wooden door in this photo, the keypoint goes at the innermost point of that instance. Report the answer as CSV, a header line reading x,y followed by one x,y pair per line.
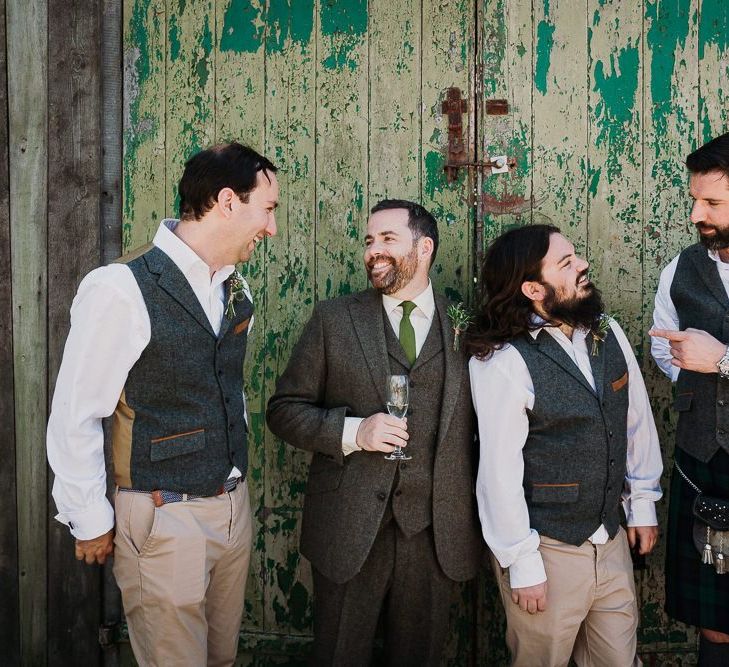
x,y
604,99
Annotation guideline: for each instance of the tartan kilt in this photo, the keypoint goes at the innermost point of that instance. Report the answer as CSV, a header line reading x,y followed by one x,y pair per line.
x,y
695,594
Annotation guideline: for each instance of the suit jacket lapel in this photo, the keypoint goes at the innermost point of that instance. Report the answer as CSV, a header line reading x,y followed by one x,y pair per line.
x,y
709,273
368,322
454,367
550,347
173,281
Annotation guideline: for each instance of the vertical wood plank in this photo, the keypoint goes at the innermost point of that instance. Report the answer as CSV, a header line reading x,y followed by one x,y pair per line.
x,y
714,68
28,150
289,296
341,160
144,104
395,105
614,228
671,109
240,104
10,609
559,158
74,141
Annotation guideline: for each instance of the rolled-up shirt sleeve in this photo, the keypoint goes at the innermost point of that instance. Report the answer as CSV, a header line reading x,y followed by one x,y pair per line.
x,y
501,397
665,317
109,330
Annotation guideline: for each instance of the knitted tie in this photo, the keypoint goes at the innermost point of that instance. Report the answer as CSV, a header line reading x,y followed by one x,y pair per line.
x,y
407,333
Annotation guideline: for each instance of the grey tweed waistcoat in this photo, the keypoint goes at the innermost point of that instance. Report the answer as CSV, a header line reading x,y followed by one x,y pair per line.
x,y
702,399
412,490
575,453
185,391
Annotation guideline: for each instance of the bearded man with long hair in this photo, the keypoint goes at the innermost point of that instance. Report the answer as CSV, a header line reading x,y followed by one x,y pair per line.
x,y
568,443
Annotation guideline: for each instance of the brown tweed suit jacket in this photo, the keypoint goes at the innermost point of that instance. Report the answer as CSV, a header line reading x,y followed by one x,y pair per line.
x,y
338,369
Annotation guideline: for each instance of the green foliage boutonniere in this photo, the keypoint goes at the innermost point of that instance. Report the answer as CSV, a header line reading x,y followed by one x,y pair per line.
x,y
236,292
599,332
460,319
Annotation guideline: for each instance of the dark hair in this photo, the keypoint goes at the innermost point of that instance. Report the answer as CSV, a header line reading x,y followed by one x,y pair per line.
x,y
713,156
420,221
503,311
206,173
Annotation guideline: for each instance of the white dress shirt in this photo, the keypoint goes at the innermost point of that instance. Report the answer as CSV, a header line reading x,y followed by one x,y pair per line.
x,y
110,328
666,317
503,391
421,318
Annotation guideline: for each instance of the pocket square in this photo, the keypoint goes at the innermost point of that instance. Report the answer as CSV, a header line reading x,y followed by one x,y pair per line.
x,y
618,384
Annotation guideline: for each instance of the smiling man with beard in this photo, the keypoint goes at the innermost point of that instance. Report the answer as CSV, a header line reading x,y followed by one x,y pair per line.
x,y
385,538
691,332
566,434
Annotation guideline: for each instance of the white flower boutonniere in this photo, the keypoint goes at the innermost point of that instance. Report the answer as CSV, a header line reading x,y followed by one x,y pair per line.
x,y
599,332
460,319
236,292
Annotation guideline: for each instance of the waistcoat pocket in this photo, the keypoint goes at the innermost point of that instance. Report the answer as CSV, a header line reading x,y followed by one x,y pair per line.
x,y
178,444
555,493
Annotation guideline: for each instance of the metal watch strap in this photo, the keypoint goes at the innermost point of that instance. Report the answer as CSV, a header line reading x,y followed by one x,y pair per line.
x,y
723,364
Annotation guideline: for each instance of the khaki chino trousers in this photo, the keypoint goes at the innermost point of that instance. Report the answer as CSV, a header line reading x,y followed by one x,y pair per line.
x,y
591,615
182,569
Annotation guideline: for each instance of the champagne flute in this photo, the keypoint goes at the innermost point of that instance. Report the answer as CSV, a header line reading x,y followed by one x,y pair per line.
x,y
396,392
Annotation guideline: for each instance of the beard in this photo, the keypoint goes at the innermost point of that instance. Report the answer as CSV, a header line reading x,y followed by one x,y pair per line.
x,y
718,241
579,312
400,273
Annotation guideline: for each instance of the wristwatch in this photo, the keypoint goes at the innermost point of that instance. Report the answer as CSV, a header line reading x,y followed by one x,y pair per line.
x,y
723,365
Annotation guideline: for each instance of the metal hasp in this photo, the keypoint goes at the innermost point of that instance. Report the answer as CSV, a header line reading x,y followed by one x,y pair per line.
x,y
454,106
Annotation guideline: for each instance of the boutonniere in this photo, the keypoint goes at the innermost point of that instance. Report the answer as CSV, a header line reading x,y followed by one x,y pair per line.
x,y
599,332
460,319
236,292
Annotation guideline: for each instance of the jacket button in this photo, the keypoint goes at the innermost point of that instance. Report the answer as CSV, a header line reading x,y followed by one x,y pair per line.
x,y
610,488
227,399
412,384
403,465
603,515
231,427
398,492
721,402
220,373
610,433
381,495
233,453
720,431
612,462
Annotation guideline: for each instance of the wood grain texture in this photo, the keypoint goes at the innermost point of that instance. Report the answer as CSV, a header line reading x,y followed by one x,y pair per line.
x,y
74,197
28,151
9,574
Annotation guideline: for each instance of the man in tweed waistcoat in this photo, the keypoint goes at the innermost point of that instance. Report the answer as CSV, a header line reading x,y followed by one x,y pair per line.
x,y
158,339
384,537
566,434
691,332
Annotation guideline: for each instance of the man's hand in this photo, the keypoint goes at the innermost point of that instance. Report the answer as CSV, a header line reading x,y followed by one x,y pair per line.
x,y
644,536
97,549
693,349
531,598
382,433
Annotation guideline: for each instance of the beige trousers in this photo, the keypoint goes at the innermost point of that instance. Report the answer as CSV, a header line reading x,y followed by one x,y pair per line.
x,y
182,569
591,614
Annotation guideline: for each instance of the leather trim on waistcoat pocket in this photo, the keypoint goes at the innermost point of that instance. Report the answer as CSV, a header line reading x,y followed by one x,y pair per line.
x,y
618,384
555,493
170,446
241,326
682,402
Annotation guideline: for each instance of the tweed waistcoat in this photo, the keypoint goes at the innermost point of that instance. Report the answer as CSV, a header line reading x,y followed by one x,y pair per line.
x,y
575,453
702,399
412,490
180,423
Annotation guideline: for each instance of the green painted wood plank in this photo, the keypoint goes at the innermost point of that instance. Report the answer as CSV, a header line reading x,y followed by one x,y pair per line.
x,y
290,260
669,132
614,228
560,94
27,60
240,104
341,160
143,185
395,107
714,68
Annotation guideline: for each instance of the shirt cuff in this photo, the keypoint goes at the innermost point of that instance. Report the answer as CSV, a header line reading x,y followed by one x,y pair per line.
x,y
349,435
92,522
527,571
675,370
641,512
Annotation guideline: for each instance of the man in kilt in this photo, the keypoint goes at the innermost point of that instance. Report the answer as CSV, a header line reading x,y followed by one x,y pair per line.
x,y
690,335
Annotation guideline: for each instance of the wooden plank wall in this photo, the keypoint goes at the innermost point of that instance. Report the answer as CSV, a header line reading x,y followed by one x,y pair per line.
x,y
50,230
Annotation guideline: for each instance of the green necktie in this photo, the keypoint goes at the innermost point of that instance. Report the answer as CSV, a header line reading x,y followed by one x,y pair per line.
x,y
407,333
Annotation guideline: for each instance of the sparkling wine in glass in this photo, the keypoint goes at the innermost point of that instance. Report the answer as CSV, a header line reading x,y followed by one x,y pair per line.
x,y
397,392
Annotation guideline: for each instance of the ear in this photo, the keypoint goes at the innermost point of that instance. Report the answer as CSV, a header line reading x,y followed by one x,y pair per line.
x,y
533,290
224,201
426,246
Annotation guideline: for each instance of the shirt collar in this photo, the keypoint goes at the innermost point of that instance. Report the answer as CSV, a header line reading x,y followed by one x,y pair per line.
x,y
186,259
425,302
714,254
536,319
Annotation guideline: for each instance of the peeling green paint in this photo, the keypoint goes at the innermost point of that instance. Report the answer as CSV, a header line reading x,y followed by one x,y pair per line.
x,y
545,43
243,27
714,26
344,23
289,19
174,38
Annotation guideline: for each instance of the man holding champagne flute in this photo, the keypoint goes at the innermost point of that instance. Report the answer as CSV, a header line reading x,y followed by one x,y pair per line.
x,y
386,533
